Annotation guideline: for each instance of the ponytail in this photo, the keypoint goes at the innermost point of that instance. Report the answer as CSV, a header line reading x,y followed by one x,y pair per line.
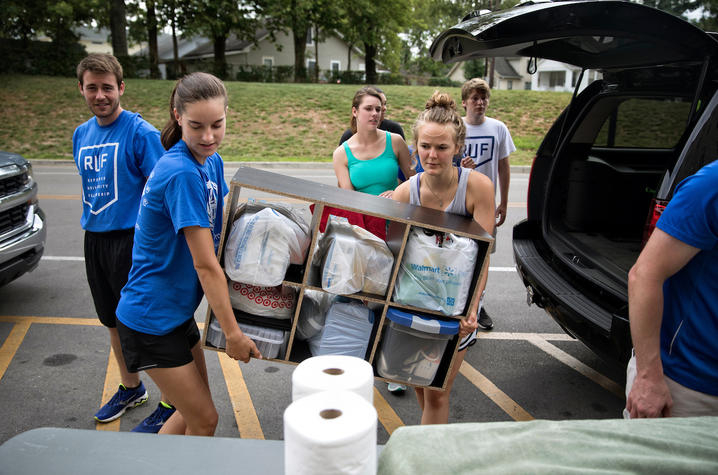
x,y
171,132
188,89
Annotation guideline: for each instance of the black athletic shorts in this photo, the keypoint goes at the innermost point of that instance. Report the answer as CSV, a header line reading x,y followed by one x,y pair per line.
x,y
144,351
108,259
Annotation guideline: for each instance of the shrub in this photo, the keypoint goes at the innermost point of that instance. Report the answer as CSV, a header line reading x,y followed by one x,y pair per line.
x,y
443,82
40,57
390,78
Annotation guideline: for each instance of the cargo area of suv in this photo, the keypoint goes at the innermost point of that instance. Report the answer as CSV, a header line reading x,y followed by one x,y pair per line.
x,y
22,222
623,142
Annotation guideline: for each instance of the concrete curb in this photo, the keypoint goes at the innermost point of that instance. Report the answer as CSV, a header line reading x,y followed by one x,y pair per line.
x,y
518,169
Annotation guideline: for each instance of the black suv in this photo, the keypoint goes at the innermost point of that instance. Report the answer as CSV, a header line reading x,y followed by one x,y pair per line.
x,y
22,222
610,162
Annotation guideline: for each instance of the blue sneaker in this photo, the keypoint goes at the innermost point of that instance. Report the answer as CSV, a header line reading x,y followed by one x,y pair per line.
x,y
154,422
122,400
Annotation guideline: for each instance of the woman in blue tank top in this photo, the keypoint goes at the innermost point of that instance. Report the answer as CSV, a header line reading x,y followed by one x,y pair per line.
x,y
438,135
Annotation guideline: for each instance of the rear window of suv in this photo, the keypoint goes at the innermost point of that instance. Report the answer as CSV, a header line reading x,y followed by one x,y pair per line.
x,y
645,123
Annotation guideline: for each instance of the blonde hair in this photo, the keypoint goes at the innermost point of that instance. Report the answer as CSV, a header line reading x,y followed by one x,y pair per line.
x,y
440,109
475,84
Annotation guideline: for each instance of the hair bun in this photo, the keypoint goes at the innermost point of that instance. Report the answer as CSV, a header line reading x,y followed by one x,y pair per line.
x,y
440,99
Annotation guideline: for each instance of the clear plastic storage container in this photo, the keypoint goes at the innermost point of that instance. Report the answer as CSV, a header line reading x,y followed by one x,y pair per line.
x,y
270,342
413,346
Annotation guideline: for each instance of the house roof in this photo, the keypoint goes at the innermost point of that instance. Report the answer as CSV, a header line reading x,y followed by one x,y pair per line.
x,y
233,45
504,69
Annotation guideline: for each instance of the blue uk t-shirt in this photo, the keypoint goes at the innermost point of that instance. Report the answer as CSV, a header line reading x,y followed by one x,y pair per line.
x,y
163,289
113,162
689,331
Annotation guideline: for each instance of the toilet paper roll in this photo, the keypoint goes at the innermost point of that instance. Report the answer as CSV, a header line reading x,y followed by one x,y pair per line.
x,y
333,372
330,432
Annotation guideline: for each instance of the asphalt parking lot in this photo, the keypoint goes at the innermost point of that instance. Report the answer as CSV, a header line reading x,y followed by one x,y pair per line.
x,y
55,367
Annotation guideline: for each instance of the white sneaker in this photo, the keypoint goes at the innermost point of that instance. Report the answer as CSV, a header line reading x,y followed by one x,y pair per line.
x,y
395,388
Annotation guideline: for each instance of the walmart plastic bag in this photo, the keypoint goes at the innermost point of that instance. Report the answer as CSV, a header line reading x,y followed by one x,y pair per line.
x,y
264,240
436,271
353,259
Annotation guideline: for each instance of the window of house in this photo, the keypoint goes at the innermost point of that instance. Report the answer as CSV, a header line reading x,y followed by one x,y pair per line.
x,y
527,85
311,65
557,78
268,61
335,66
509,84
310,36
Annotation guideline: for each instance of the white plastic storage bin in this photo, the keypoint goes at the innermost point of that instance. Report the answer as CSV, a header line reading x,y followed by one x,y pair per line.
x,y
270,342
347,330
413,346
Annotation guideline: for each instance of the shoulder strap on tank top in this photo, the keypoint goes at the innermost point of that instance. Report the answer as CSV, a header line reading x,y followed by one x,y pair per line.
x,y
388,148
350,155
414,189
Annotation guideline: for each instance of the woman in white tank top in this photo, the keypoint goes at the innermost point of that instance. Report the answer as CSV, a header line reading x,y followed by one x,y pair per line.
x,y
438,135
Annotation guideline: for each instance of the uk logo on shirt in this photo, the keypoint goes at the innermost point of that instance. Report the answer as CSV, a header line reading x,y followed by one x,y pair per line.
x,y
480,148
98,168
212,193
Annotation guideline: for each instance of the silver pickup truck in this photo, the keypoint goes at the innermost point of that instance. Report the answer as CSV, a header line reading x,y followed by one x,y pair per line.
x,y
22,222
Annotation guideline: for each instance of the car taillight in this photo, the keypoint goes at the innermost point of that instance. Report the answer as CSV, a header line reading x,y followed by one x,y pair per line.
x,y
657,207
528,188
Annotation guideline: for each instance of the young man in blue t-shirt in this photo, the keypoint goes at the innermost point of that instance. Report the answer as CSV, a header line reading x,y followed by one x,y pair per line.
x,y
673,307
114,152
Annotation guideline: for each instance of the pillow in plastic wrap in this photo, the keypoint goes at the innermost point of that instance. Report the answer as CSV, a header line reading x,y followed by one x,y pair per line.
x,y
262,244
436,271
346,331
274,302
353,259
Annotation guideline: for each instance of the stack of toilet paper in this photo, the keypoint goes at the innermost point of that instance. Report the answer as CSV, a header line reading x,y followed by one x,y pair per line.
x,y
330,426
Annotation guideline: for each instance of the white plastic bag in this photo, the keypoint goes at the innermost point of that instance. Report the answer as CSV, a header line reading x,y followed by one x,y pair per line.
x,y
262,244
436,271
313,313
274,302
353,259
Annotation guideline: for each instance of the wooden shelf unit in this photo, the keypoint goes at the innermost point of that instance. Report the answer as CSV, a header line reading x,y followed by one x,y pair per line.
x,y
401,218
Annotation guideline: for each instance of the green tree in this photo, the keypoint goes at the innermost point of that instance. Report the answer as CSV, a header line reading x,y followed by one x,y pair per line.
x,y
474,68
143,27
709,19
376,24
217,19
26,19
118,28
300,17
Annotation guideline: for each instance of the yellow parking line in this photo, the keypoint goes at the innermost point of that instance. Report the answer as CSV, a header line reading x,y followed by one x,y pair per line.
x,y
500,398
112,381
388,418
244,413
574,363
12,343
51,320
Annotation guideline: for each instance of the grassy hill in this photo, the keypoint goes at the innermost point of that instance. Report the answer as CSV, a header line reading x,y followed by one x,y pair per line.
x,y
266,121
